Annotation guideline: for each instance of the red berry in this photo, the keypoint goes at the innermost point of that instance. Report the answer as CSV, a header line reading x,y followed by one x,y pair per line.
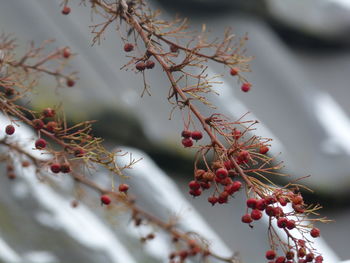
x,y
194,185
315,232
48,112
65,168
261,204
123,188
213,200
40,144
270,200
66,10
197,192
309,257
278,211
66,52
55,168
270,254
301,252
319,259
256,214
186,134
297,200
236,134
298,208
243,156
234,71
205,185
290,224
70,82
196,135
10,129
246,87
38,124
173,48
51,126
150,64
263,149
140,66
223,197
252,202
290,255
187,142
280,260
221,173
105,199
282,222
247,219
128,47
236,185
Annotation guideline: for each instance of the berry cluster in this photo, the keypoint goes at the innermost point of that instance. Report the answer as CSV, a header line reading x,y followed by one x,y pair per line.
x,y
189,136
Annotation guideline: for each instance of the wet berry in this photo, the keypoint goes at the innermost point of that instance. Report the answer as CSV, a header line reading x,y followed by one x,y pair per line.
x,y
40,144
55,168
105,199
246,87
123,188
10,129
270,254
196,135
247,219
187,142
66,10
128,47
315,232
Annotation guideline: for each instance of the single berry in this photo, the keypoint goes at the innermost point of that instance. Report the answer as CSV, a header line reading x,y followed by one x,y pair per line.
x,y
247,219
150,64
198,174
290,255
205,185
234,71
65,168
278,211
140,66
315,232
256,214
280,260
55,168
251,203
187,142
283,201
197,192
48,113
263,149
123,188
246,87
40,144
309,257
223,197
10,129
173,48
301,252
236,185
196,135
128,47
186,134
213,200
38,124
270,210
194,185
11,176
66,10
261,204
290,224
319,259
105,199
243,156
270,254
66,52
299,208
221,173
208,176
51,126
236,134
70,82
282,222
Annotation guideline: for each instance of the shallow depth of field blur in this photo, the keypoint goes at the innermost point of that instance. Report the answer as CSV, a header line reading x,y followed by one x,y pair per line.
x,y
300,95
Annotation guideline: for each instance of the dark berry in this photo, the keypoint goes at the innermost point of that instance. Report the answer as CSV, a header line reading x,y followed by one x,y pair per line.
x,y
65,168
55,168
186,134
48,112
10,129
187,142
315,232
194,185
196,135
270,254
128,47
38,124
140,66
150,64
40,144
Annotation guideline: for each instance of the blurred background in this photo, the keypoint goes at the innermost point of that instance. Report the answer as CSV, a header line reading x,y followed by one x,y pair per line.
x,y
300,95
